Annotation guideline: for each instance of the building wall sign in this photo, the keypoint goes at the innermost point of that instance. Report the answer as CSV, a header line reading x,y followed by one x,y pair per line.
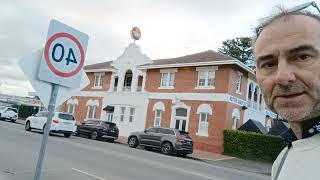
x,y
236,101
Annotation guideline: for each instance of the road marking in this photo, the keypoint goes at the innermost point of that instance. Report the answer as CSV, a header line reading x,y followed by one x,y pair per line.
x,y
88,174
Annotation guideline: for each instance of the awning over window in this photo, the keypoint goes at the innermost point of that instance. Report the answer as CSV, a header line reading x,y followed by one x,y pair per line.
x,y
109,108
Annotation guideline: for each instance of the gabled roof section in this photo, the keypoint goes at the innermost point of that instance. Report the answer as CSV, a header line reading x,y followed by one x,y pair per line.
x,y
205,58
104,66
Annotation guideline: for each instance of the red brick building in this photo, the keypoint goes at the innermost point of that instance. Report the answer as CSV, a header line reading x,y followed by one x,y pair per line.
x,y
202,93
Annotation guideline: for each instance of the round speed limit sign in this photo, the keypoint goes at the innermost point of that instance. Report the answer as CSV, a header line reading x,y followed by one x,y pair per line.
x,y
64,54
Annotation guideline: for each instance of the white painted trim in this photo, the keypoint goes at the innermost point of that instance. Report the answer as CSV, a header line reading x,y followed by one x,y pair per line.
x,y
99,73
236,113
171,70
204,108
96,87
166,87
204,87
207,68
100,70
222,62
158,106
173,112
190,96
201,134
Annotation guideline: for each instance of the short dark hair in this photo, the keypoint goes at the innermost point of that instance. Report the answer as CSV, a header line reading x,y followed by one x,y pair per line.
x,y
283,13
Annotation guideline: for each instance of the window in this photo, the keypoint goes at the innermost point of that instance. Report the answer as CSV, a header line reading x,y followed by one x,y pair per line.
x,y
204,110
238,83
167,79
166,131
181,119
152,130
131,116
205,77
157,117
71,108
122,113
97,81
203,124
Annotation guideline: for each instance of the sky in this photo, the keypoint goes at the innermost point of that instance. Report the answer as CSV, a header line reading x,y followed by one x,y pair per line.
x,y
169,28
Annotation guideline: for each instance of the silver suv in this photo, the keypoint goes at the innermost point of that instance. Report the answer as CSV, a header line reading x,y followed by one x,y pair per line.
x,y
168,140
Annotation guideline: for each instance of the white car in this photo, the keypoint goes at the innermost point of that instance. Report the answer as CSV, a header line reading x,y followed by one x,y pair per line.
x,y
64,123
8,113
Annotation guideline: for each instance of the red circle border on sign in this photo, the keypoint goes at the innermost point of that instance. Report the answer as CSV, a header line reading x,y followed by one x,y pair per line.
x,y
46,54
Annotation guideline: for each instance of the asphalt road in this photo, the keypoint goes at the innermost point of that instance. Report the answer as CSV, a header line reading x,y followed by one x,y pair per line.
x,y
79,158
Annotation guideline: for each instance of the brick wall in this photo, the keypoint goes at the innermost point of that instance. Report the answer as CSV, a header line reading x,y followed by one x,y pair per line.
x,y
217,123
186,80
81,110
105,84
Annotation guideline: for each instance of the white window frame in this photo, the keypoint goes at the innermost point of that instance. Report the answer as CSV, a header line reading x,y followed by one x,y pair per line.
x,y
122,114
98,81
157,118
131,114
206,70
239,82
169,79
203,124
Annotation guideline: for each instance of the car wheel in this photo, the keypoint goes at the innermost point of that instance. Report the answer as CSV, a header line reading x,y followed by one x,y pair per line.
x,y
67,135
94,135
12,120
148,148
133,142
27,127
76,133
166,148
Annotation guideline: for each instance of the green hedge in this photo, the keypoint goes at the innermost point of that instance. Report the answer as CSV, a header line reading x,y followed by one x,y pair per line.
x,y
252,146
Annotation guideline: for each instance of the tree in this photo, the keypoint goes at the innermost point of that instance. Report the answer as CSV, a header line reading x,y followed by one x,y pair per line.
x,y
239,48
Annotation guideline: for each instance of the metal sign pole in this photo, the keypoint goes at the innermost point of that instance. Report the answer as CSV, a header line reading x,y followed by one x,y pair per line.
x,y
51,109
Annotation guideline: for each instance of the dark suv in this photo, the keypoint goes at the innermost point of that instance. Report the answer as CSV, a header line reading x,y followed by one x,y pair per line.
x,y
168,140
96,129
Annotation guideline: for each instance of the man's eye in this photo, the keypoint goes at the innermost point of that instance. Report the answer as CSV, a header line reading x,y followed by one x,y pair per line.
x,y
268,65
303,57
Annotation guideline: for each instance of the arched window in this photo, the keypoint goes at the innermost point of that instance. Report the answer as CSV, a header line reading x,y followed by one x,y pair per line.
x,y
204,110
127,81
255,97
92,109
250,91
72,103
235,118
158,109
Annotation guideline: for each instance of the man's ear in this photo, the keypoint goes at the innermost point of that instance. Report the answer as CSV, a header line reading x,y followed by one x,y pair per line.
x,y
255,71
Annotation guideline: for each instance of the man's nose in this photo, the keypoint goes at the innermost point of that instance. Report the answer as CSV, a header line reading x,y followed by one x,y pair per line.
x,y
285,74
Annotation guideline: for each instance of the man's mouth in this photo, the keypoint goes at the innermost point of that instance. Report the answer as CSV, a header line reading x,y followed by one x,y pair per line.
x,y
289,96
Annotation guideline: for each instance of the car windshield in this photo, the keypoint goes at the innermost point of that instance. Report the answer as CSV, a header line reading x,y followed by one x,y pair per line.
x,y
66,116
10,109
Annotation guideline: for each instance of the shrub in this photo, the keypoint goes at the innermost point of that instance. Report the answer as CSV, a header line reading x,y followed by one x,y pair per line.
x,y
252,146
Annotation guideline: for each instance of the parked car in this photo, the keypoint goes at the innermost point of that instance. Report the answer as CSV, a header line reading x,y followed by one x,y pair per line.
x,y
168,140
63,123
96,129
8,113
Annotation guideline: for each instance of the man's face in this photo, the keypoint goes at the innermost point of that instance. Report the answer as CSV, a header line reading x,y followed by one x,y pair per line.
x,y
287,55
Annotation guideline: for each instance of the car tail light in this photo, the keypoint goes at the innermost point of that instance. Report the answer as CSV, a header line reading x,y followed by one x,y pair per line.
x,y
55,121
180,139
